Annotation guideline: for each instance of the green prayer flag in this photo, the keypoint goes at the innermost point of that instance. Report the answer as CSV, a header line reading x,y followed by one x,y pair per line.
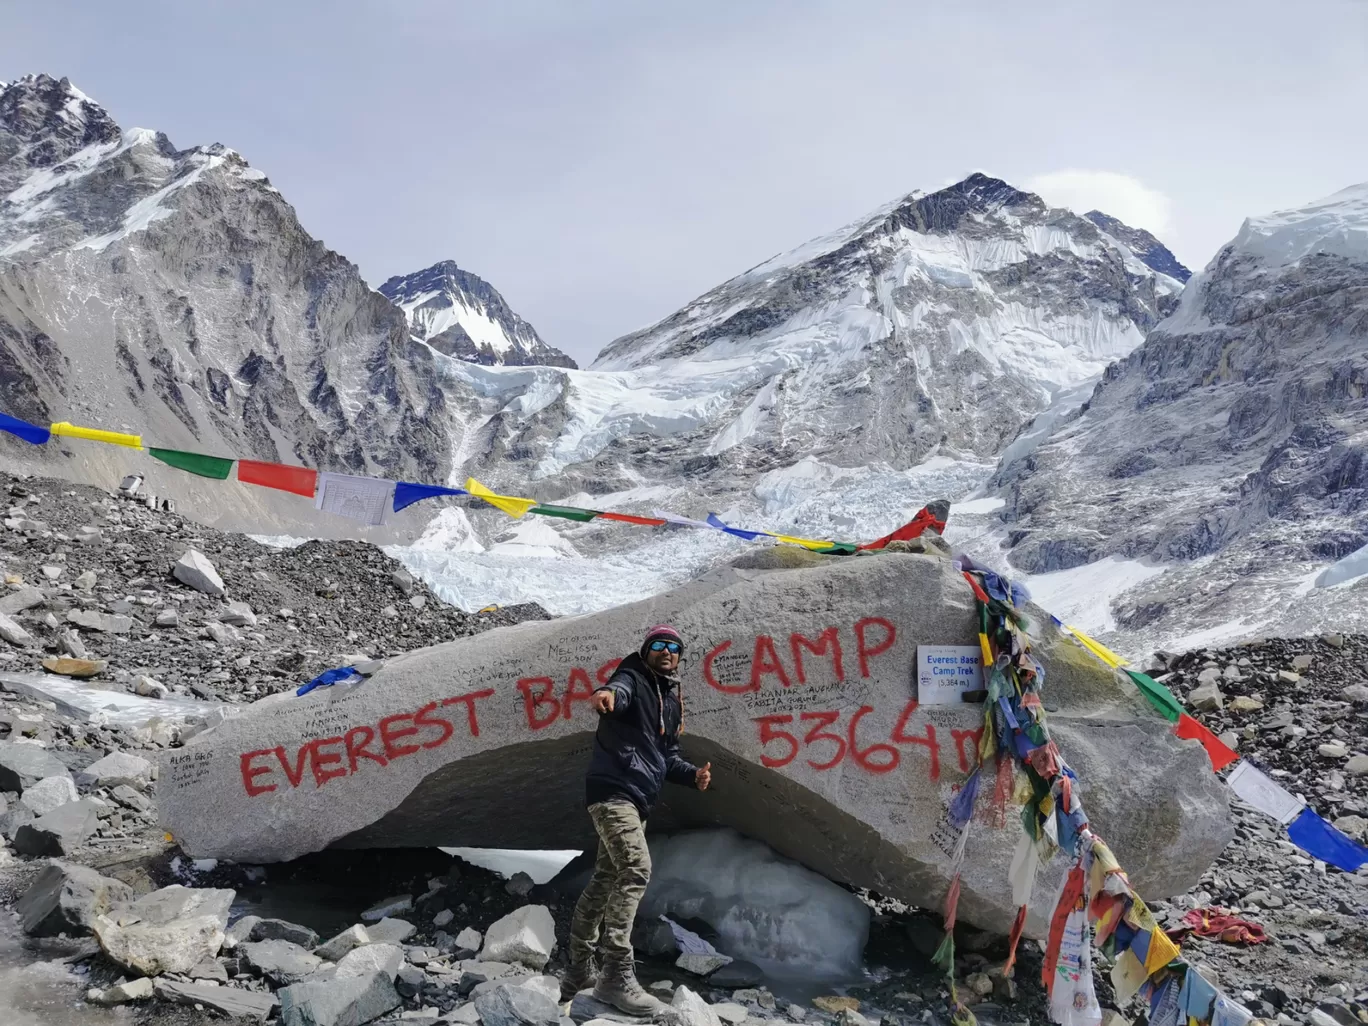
x,y
205,466
1159,696
839,549
565,512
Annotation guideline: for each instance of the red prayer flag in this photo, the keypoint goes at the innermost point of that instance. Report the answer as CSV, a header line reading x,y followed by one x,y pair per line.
x,y
300,480
1192,730
627,518
925,518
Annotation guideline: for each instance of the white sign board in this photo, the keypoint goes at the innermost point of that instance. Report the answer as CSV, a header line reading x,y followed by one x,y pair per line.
x,y
946,673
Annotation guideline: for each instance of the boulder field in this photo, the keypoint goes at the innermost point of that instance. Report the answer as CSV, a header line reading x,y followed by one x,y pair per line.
x,y
800,687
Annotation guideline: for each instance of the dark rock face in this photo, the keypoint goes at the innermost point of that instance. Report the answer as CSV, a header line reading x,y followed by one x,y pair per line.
x,y
1149,250
174,293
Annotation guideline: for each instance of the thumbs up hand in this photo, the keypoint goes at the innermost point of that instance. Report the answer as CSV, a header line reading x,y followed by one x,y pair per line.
x,y
704,776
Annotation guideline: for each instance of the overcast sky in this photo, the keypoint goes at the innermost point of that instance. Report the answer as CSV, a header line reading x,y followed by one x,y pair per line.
x,y
602,162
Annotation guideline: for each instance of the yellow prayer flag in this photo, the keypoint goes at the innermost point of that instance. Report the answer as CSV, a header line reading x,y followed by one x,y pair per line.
x,y
1162,951
806,543
510,504
68,430
1127,976
1097,648
987,651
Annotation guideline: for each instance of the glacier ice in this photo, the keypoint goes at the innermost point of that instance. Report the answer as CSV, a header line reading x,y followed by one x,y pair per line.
x,y
786,919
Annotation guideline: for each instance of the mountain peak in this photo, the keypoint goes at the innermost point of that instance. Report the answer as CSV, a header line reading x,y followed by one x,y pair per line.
x,y
1147,249
461,315
52,119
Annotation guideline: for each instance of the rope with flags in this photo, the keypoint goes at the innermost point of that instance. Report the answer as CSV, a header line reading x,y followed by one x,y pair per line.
x,y
371,500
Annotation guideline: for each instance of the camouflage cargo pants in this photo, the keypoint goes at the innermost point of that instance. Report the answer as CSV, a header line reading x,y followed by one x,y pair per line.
x,y
608,906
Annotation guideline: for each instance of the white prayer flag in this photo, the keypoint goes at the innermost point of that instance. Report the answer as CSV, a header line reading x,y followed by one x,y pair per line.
x,y
367,499
1269,797
675,518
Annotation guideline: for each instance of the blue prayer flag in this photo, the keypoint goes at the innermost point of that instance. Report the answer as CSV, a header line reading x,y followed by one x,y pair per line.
x,y
1318,838
715,521
28,432
406,493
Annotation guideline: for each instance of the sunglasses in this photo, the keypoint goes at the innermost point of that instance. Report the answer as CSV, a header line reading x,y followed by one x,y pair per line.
x,y
673,647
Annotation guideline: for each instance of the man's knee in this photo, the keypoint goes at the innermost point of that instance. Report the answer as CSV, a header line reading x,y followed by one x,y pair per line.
x,y
635,871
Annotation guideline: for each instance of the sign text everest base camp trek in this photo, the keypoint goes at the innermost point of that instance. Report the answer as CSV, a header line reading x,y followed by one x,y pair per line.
x,y
799,687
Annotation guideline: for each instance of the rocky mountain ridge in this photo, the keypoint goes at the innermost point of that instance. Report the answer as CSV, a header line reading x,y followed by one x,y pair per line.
x,y
1230,447
461,315
174,293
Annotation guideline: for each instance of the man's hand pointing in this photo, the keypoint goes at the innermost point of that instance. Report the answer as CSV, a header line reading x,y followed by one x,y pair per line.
x,y
704,776
603,702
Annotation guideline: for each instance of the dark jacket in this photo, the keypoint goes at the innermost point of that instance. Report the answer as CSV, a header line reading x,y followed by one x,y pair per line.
x,y
632,758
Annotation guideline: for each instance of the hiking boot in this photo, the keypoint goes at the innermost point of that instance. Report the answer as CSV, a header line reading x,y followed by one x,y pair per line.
x,y
578,978
617,986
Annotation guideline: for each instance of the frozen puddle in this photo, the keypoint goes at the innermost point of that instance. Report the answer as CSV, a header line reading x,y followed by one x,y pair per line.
x,y
34,992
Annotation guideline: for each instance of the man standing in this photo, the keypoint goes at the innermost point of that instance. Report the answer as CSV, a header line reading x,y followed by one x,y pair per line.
x,y
636,749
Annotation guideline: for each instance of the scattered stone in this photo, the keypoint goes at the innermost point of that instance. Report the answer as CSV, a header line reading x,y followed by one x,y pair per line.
x,y
210,969
1288,677
736,974
122,993
13,633
78,667
231,1001
509,1005
1302,662
66,899
22,766
280,929
1357,766
51,572
1352,826
980,983
409,980
519,885
168,931
350,939
105,623
391,931
403,580
1333,640
834,1004
527,936
167,618
731,1012
22,599
69,641
1245,704
1206,697
59,832
48,794
361,989
390,906
85,582
280,961
1332,750
469,939
195,571
149,687
115,769
701,965
239,614
688,1009
443,918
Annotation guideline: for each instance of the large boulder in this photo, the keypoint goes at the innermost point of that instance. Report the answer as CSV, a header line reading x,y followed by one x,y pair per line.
x,y
527,936
60,831
195,571
66,899
800,688
117,768
22,766
168,931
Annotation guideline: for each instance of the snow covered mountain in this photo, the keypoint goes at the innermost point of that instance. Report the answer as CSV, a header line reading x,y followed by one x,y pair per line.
x,y
460,314
936,327
1228,455
1145,247
174,292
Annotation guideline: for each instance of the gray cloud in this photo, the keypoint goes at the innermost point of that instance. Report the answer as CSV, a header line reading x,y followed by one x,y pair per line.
x,y
603,162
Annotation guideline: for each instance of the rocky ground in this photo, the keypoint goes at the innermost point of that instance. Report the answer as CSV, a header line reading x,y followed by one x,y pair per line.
x,y
437,940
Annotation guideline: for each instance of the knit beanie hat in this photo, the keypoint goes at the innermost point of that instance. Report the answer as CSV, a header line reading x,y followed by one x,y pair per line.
x,y
661,631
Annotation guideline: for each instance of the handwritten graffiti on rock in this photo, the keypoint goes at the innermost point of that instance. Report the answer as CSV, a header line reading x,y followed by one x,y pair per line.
x,y
327,758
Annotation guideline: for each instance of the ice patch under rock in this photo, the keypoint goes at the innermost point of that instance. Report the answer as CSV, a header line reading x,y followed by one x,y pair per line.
x,y
1342,571
786,919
